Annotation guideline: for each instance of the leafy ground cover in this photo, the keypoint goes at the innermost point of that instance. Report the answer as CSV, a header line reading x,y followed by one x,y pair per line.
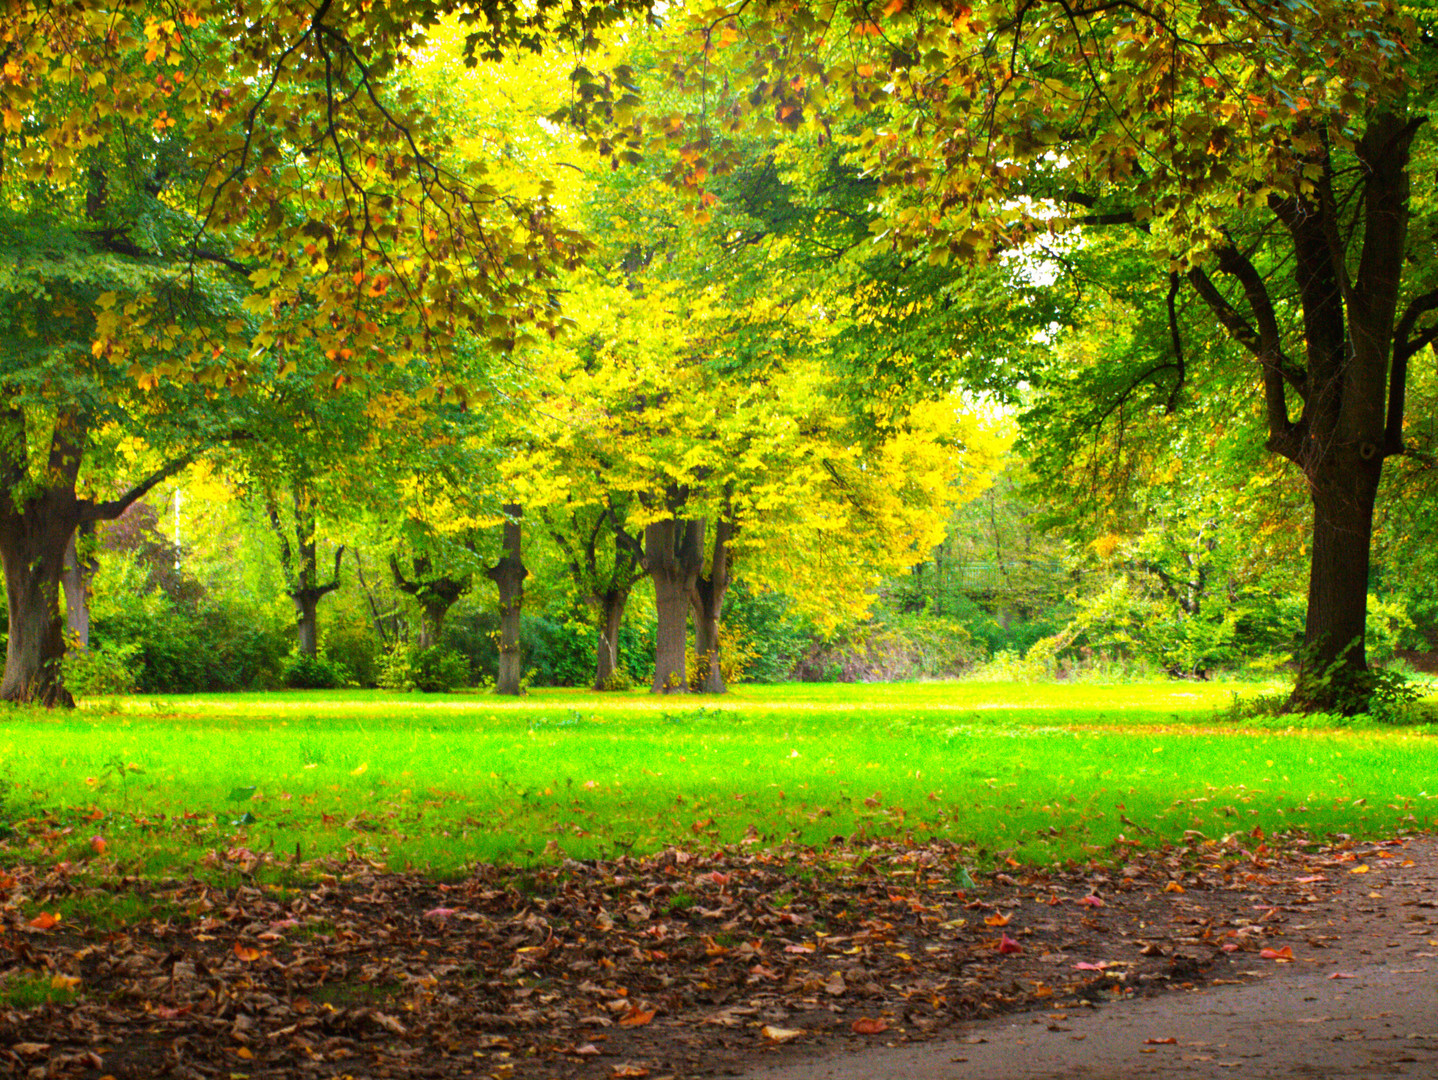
x,y
675,965
575,885
255,784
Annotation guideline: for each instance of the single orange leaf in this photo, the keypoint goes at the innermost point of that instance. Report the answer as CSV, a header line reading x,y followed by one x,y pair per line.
x,y
1170,1041
636,1017
868,1026
1285,953
998,920
1173,887
44,921
245,953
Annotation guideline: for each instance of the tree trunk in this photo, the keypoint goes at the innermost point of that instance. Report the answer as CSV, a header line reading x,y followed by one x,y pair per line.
x,y
307,631
707,600
509,574
435,594
674,554
76,579
611,615
32,546
1333,670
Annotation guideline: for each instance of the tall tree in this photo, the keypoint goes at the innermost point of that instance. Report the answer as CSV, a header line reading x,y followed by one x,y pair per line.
x,y
1263,154
190,198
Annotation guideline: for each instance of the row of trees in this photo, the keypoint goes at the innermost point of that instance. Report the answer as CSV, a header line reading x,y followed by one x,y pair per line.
x,y
238,227
320,319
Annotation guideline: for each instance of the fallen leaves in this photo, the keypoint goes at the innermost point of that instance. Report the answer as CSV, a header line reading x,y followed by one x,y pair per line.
x,y
778,1034
636,1017
602,969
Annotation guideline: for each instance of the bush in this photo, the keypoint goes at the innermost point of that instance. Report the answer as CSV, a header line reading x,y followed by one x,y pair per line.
x,y
767,639
894,647
304,672
104,669
355,645
556,653
438,670
396,670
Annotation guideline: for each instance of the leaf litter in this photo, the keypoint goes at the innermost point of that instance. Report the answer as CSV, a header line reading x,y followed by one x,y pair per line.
x,y
684,963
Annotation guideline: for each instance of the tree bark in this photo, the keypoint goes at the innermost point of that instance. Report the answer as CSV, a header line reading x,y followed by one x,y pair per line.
x,y
707,600
302,573
611,616
673,555
32,546
1333,667
509,574
435,594
76,578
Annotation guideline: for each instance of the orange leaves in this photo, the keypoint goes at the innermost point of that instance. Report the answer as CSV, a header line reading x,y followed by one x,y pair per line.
x,y
636,1017
1173,887
1283,955
1008,946
869,1026
246,953
997,920
44,921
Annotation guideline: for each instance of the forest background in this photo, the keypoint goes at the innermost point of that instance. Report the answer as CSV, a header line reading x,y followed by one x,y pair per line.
x,y
724,418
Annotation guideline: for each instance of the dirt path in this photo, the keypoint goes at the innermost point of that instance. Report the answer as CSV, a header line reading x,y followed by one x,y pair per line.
x,y
1359,999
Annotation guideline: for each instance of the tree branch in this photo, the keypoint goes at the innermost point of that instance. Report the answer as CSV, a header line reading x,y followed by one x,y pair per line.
x,y
113,508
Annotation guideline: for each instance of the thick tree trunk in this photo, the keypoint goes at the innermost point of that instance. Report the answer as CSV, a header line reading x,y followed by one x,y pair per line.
x,y
509,574
32,546
611,616
76,579
707,600
673,554
1333,671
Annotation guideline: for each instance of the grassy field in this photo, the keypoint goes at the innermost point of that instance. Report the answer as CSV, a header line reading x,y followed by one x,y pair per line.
x,y
1023,772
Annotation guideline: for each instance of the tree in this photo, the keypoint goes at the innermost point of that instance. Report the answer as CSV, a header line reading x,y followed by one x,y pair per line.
x,y
189,198
508,575
299,560
1263,154
605,561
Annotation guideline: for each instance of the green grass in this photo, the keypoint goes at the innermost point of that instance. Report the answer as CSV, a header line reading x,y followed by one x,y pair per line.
x,y
244,784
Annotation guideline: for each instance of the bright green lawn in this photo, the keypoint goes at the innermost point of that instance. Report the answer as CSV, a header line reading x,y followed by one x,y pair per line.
x,y
1029,772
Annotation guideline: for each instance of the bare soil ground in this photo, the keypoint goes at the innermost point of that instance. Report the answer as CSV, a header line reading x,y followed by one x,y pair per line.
x,y
1241,956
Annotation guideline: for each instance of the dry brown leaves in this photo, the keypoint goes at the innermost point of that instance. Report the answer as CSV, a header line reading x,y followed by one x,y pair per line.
x,y
681,964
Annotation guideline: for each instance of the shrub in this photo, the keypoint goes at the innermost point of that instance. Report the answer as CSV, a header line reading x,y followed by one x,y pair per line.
x,y
103,669
438,670
396,670
894,647
304,672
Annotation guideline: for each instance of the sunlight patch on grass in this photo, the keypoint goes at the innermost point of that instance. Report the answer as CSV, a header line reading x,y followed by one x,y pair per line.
x,y
245,784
